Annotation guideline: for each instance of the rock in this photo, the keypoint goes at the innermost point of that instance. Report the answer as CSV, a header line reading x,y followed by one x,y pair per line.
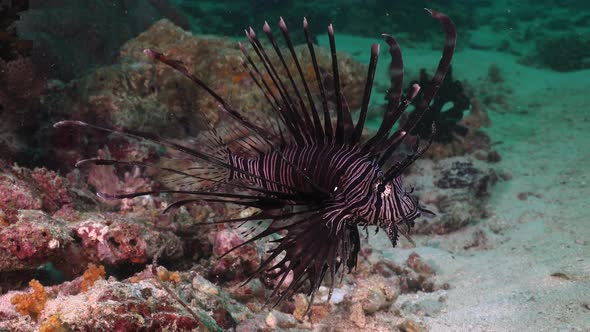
x,y
141,94
276,319
35,238
253,289
423,307
301,305
372,294
415,262
357,315
455,189
410,326
204,286
238,264
319,311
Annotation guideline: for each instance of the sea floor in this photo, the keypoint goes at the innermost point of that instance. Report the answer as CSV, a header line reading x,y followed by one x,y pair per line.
x,y
533,271
535,274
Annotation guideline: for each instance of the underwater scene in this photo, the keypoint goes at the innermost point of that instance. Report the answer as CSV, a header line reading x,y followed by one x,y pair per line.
x,y
321,165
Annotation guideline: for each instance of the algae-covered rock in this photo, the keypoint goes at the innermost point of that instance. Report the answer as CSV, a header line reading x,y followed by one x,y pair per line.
x,y
455,189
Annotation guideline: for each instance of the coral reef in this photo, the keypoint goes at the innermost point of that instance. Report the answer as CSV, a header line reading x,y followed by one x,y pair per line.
x,y
54,324
21,85
34,239
55,224
136,93
25,189
94,31
456,134
91,275
561,53
111,242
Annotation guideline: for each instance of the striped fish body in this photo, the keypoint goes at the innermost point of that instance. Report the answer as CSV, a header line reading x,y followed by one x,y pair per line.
x,y
348,173
314,182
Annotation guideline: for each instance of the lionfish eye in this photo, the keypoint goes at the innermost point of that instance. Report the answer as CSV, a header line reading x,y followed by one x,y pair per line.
x,y
381,187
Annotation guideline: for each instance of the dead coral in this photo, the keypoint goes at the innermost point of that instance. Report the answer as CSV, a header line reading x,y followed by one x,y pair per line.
x,y
236,265
113,239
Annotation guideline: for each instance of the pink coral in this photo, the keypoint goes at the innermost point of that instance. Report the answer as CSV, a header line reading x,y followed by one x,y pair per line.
x,y
105,180
34,239
239,263
53,191
113,243
16,194
23,189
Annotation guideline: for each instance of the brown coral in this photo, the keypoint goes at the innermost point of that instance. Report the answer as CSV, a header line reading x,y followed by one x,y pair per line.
x,y
91,275
31,304
165,275
53,324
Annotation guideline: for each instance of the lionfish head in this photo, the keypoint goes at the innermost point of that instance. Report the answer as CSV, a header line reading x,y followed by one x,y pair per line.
x,y
397,207
387,204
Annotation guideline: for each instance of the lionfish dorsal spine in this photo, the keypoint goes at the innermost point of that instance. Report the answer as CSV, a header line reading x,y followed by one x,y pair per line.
x,y
318,182
316,119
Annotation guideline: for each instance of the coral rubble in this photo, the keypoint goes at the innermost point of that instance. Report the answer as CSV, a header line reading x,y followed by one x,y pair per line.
x,y
457,188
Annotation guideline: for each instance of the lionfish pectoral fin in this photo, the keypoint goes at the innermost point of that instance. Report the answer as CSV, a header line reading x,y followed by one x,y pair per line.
x,y
406,234
428,213
309,250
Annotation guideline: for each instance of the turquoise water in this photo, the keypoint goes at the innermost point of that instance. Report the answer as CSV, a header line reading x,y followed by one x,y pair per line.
x,y
506,175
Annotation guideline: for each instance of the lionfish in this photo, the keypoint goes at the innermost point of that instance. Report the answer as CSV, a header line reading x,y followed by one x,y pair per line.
x,y
313,181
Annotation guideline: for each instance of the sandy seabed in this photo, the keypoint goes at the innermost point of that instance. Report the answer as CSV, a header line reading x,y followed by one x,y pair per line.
x,y
535,275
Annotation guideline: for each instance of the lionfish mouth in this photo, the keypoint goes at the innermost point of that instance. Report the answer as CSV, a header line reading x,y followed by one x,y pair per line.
x,y
297,156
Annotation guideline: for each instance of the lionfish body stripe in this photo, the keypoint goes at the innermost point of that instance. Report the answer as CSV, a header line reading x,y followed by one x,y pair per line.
x,y
315,183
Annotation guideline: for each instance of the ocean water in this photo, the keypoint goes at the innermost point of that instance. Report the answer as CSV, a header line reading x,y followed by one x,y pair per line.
x,y
507,247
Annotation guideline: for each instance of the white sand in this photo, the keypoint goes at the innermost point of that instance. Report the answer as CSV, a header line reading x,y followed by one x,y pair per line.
x,y
546,148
